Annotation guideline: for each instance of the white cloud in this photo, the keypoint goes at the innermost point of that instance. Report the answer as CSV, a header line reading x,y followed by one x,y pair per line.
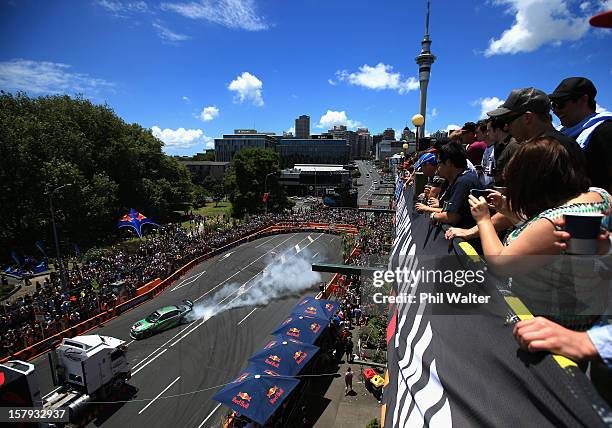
x,y
182,138
378,78
120,7
186,98
331,82
42,77
488,104
240,14
169,35
452,127
600,109
247,87
537,22
584,6
331,118
291,130
434,112
209,113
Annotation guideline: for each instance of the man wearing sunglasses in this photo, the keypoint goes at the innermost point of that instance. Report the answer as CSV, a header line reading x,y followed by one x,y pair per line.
x,y
573,102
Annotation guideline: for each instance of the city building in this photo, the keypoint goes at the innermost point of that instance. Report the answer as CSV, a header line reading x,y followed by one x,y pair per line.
x,y
440,135
340,132
388,134
313,151
364,143
387,148
302,127
408,135
315,179
230,144
201,169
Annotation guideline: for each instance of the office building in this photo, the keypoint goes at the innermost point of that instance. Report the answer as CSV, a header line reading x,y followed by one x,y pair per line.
x,y
230,144
302,127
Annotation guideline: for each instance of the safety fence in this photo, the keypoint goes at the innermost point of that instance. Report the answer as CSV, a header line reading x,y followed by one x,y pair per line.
x,y
459,365
155,287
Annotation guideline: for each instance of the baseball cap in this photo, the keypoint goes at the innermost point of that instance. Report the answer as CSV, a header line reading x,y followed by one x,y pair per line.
x,y
522,100
426,158
603,20
469,127
574,86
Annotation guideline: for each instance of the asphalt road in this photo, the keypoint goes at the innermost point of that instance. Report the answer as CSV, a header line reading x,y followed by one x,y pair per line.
x,y
369,186
191,360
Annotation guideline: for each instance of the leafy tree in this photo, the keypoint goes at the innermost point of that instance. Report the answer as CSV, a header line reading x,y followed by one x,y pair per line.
x,y
50,141
246,182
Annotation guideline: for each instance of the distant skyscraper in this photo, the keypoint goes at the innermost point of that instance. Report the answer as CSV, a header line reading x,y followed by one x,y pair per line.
x,y
424,60
302,127
439,135
408,135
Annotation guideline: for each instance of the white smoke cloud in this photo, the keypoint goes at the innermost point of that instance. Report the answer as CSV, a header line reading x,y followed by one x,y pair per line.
x,y
286,275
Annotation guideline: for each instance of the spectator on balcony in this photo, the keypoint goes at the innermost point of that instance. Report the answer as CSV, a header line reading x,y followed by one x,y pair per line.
x,y
561,188
573,102
452,166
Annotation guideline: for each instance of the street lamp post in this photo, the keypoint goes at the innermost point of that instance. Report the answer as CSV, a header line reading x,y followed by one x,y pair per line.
x,y
266,190
418,120
57,250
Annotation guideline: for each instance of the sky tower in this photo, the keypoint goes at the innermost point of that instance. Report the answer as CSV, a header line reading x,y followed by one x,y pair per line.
x,y
424,60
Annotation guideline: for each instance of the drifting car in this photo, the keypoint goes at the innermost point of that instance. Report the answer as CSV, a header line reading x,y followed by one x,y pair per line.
x,y
162,319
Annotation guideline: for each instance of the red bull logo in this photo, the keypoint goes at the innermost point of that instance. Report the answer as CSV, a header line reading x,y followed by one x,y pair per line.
x,y
287,321
242,399
303,302
273,360
270,345
293,332
274,394
311,310
299,356
329,307
315,327
271,373
242,377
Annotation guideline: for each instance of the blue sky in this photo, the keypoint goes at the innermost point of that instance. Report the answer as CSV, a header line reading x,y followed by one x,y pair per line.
x,y
193,70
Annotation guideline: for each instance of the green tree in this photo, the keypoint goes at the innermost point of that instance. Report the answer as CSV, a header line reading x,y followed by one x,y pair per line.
x,y
50,141
246,183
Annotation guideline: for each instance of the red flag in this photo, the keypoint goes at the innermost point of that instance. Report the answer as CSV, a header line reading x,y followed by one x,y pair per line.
x,y
265,198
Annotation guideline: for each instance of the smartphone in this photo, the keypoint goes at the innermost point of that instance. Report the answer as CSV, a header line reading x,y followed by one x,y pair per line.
x,y
501,190
477,193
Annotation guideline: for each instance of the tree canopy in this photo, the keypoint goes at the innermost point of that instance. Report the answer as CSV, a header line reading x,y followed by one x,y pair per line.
x,y
50,141
246,182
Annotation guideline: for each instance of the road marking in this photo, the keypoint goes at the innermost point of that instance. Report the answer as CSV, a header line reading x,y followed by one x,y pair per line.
x,y
159,395
225,256
315,256
129,343
310,238
264,243
242,290
297,248
246,316
148,362
194,279
209,416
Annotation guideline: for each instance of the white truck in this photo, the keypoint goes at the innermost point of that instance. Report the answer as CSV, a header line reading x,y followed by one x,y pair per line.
x,y
85,369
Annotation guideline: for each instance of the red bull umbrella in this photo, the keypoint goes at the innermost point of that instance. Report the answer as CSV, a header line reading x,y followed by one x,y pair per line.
x,y
256,393
318,308
303,329
285,356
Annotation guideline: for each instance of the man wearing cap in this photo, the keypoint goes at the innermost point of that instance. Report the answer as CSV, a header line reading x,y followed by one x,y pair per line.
x,y
428,165
573,102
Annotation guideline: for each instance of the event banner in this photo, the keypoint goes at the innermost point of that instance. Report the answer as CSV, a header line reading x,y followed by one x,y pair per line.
x,y
452,358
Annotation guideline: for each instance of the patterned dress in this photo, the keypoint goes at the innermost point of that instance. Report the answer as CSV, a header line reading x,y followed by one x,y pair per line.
x,y
570,290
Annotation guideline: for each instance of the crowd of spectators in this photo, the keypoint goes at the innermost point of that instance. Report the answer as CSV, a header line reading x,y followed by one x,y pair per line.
x,y
507,182
101,282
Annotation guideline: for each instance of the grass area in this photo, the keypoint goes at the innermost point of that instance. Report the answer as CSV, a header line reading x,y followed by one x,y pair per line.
x,y
210,210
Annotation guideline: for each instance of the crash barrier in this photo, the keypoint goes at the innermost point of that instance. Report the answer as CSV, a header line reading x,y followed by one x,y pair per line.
x,y
155,287
462,366
335,286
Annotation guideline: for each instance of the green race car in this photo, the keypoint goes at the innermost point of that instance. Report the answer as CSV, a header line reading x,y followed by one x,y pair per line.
x,y
162,319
